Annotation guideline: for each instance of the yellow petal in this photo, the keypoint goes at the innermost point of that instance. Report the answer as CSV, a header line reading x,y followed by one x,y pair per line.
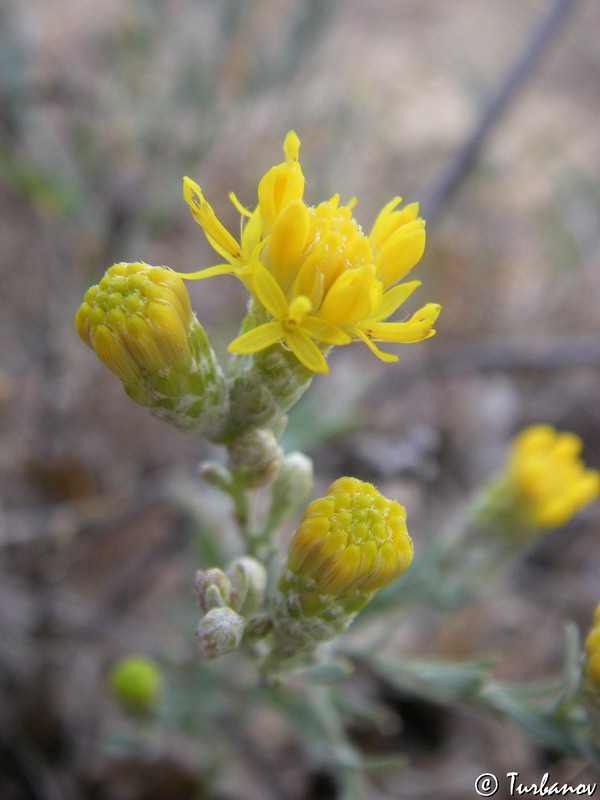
x,y
388,357
323,331
379,231
306,351
257,339
388,221
415,329
291,146
278,187
392,299
356,294
204,215
219,269
269,293
287,241
400,254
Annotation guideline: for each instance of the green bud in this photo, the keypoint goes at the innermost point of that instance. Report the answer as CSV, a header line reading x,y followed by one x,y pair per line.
x,y
255,457
290,488
136,682
219,632
213,588
249,580
216,474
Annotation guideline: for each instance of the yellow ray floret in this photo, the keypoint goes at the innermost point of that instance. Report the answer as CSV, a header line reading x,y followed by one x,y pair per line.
x,y
353,539
322,281
549,480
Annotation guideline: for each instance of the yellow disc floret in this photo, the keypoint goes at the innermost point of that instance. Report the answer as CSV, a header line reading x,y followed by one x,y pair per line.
x,y
549,480
137,319
353,539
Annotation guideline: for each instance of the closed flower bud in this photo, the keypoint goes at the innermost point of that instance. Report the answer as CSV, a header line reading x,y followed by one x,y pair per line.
x,y
136,682
353,539
255,457
219,632
140,324
249,580
213,588
348,545
290,488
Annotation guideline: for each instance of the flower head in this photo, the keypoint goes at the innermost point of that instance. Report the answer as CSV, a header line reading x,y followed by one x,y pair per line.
x,y
353,539
318,277
547,477
139,322
137,319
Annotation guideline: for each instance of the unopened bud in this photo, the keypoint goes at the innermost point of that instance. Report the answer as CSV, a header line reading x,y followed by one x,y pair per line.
x,y
135,680
216,474
290,488
219,632
213,588
139,322
249,580
255,456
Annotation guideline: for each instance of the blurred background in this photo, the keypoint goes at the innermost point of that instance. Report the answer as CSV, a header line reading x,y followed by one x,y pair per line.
x,y
103,109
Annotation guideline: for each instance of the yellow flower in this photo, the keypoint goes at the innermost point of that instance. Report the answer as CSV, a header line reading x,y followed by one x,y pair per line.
x,y
592,652
547,476
137,319
313,270
353,539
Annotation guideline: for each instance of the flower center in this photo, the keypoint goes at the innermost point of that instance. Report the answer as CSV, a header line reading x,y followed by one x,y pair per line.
x,y
339,241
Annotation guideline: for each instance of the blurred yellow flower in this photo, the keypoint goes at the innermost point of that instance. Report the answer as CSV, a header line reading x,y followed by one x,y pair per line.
x,y
353,539
592,652
319,277
549,480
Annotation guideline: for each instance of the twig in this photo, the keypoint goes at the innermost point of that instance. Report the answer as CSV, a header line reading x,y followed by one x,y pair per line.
x,y
494,356
528,59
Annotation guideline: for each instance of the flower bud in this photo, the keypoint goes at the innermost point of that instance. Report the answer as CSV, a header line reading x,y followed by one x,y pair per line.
x,y
249,580
140,324
290,488
255,456
219,632
136,682
213,588
348,545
